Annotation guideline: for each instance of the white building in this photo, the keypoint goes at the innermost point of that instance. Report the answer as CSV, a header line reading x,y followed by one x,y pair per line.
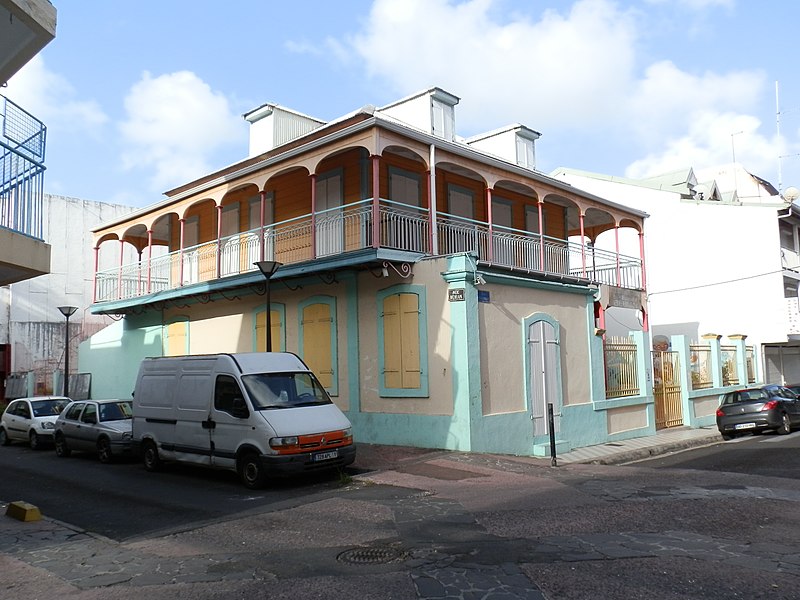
x,y
32,330
722,258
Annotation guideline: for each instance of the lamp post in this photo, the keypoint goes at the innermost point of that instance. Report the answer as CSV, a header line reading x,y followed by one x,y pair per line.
x,y
268,269
67,311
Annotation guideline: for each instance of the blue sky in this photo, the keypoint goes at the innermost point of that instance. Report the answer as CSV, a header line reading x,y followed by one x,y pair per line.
x,y
140,97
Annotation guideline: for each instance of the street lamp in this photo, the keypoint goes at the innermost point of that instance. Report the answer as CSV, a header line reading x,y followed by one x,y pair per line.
x,y
268,268
67,311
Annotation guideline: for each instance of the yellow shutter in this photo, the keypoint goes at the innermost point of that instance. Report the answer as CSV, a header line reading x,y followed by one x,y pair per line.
x,y
409,323
392,357
261,325
176,339
317,325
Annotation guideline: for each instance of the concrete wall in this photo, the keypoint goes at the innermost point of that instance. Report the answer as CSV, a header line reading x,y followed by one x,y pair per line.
x,y
29,317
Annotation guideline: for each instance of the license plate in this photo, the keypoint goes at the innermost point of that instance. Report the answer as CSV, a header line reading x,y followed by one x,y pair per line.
x,y
325,455
744,426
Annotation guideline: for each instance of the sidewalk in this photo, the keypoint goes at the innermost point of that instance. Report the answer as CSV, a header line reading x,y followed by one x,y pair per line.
x,y
372,457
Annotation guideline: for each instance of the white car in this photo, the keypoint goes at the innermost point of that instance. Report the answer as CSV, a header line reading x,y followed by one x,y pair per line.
x,y
31,420
100,426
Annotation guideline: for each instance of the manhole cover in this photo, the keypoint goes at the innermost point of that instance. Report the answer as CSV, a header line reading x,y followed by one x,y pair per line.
x,y
372,556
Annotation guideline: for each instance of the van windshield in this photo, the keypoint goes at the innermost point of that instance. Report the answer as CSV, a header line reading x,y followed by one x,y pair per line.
x,y
284,390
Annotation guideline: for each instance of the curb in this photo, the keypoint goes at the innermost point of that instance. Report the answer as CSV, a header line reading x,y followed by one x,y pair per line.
x,y
631,456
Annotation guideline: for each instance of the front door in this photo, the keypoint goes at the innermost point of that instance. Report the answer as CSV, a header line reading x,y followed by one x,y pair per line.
x,y
544,354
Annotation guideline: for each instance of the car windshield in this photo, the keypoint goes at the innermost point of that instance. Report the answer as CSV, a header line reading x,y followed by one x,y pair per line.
x,y
284,390
48,408
116,411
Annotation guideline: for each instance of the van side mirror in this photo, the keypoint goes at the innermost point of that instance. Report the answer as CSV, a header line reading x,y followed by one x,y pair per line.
x,y
239,408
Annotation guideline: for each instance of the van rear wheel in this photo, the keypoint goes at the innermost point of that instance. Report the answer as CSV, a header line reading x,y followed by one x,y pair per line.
x,y
150,457
251,471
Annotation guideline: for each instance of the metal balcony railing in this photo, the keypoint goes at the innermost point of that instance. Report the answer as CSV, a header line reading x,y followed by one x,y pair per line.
x,y
22,145
354,227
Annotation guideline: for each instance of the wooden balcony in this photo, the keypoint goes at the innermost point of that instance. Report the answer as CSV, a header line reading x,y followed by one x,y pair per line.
x,y
360,226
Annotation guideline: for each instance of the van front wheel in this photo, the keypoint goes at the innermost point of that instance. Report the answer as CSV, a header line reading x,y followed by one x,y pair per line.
x,y
251,471
152,462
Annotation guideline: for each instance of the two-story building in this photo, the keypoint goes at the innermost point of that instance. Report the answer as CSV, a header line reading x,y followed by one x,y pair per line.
x,y
723,254
444,290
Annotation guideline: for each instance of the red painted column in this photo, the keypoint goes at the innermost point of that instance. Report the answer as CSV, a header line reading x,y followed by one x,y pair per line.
x,y
94,279
541,237
219,241
583,246
149,259
261,240
119,273
313,177
616,244
490,218
180,252
376,201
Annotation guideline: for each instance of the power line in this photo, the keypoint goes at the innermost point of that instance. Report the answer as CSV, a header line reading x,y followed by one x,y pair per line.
x,y
706,285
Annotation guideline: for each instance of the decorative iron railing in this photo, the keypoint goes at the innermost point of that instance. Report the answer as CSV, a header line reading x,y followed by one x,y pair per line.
x,y
622,378
730,374
354,227
22,144
700,366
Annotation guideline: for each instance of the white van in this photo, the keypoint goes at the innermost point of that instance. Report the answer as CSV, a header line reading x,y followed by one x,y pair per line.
x,y
259,413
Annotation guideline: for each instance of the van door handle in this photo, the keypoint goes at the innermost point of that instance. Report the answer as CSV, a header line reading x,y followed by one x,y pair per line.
x,y
208,424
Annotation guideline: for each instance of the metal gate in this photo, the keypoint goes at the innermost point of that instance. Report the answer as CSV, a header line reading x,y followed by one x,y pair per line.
x,y
667,389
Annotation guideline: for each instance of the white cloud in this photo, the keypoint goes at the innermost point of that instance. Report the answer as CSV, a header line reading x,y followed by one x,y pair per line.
x,y
175,123
712,139
572,72
697,4
562,70
52,99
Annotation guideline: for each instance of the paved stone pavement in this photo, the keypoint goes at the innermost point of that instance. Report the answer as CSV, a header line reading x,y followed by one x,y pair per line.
x,y
421,525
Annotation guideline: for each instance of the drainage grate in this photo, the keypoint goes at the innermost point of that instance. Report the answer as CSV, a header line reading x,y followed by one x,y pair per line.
x,y
372,556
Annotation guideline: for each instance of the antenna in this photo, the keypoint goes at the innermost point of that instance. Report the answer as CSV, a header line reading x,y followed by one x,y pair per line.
x,y
778,135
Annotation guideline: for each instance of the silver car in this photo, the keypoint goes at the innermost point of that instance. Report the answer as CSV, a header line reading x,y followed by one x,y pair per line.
x,y
31,420
101,426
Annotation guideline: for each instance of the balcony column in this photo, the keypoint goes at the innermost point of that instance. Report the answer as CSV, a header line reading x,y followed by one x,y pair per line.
x,y
261,242
541,236
376,201
313,178
119,272
94,279
641,258
219,241
583,247
616,246
434,227
149,259
180,251
490,218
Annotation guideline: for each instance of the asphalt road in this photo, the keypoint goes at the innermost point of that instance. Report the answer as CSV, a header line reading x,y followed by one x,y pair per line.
x,y
123,501
766,454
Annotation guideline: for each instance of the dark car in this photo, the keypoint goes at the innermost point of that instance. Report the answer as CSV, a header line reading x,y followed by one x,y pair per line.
x,y
752,410
101,426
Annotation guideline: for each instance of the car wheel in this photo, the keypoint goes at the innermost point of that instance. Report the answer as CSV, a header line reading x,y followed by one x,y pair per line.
x,y
4,441
104,451
251,471
786,425
61,446
150,457
36,443
728,436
